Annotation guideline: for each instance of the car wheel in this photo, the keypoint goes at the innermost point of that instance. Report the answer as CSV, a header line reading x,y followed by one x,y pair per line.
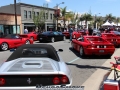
x,y
82,51
32,38
64,38
72,46
4,46
27,42
52,39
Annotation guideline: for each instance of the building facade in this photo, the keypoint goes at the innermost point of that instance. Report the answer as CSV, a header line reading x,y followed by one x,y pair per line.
x,y
7,23
26,13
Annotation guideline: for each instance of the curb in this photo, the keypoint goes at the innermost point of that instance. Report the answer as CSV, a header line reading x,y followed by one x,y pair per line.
x,y
94,81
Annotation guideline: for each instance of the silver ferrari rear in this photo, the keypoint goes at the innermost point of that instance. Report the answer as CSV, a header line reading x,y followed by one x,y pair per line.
x,y
29,73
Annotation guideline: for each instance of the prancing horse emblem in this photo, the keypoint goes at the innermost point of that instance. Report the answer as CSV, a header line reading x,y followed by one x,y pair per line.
x,y
29,81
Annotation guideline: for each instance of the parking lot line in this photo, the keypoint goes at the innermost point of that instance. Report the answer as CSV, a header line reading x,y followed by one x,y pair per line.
x,y
73,60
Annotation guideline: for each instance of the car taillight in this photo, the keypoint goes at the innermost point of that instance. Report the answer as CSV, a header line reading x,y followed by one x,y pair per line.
x,y
2,81
56,80
64,79
60,80
110,46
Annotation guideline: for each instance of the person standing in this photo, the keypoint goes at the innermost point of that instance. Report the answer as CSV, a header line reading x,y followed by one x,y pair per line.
x,y
70,32
25,31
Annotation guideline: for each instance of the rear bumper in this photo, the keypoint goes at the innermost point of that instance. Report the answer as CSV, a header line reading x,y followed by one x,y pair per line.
x,y
97,51
30,88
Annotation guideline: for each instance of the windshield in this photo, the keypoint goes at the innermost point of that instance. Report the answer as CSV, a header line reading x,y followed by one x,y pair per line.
x,y
95,39
48,32
116,32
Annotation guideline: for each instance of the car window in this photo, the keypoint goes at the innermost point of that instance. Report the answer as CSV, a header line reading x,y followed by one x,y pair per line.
x,y
56,33
15,36
95,39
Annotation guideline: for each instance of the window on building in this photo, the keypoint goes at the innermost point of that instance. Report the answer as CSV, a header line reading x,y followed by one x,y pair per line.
x,y
46,15
51,16
33,13
29,14
37,13
25,14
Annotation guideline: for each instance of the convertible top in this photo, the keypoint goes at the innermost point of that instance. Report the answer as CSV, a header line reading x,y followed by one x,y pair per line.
x,y
43,50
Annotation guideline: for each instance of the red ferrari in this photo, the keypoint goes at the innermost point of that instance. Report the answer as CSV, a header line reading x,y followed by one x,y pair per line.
x,y
76,34
13,41
92,45
67,34
30,35
115,39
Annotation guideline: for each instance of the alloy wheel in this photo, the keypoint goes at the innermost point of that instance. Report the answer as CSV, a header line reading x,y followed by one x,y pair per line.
x,y
52,39
4,46
27,42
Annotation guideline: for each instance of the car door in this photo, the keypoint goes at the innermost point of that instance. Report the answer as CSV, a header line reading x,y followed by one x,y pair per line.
x,y
56,36
79,43
61,36
16,40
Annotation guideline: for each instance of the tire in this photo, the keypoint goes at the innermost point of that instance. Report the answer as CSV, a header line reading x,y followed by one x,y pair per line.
x,y
64,38
81,51
52,39
4,46
32,38
27,42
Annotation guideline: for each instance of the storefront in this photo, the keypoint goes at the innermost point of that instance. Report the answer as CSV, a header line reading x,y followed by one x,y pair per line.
x,y
50,26
7,23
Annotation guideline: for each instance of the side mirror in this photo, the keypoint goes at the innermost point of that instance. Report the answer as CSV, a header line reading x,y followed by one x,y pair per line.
x,y
12,50
60,50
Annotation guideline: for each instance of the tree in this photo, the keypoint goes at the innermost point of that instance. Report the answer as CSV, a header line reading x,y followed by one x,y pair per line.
x,y
87,17
99,20
109,18
117,20
63,12
40,19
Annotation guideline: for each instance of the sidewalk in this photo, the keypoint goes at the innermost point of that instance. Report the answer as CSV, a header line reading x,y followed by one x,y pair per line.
x,y
94,81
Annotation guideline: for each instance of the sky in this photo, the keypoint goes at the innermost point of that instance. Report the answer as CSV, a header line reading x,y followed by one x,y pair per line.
x,y
98,7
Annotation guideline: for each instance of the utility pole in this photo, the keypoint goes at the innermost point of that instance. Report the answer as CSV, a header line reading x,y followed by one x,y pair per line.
x,y
15,15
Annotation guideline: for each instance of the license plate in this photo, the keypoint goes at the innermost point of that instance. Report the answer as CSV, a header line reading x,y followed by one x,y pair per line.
x,y
40,38
101,50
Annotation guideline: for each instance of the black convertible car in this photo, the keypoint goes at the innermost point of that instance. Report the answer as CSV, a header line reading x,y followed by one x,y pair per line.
x,y
51,36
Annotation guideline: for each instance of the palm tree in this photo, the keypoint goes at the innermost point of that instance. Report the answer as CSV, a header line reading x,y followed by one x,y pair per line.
x,y
99,21
87,17
69,16
117,20
80,20
109,18
63,12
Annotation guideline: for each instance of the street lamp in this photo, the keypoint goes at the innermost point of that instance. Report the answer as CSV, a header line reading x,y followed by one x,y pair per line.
x,y
15,15
57,10
95,23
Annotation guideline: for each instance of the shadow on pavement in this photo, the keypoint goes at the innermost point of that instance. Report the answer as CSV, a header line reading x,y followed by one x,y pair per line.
x,y
89,66
89,57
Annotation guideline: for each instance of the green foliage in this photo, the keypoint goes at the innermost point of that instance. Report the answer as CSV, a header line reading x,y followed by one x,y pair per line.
x,y
109,17
39,20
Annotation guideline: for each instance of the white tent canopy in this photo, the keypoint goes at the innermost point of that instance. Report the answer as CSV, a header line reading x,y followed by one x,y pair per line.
x,y
118,24
107,24
113,24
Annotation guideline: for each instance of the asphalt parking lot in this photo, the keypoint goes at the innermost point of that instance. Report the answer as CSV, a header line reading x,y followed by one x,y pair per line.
x,y
81,68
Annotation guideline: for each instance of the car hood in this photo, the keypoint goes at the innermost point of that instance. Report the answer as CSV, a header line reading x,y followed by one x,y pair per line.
x,y
30,65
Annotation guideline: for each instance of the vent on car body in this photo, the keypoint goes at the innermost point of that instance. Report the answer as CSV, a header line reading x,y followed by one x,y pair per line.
x,y
25,66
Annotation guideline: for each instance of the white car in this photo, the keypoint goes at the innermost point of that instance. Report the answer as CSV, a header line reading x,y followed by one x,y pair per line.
x,y
32,65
